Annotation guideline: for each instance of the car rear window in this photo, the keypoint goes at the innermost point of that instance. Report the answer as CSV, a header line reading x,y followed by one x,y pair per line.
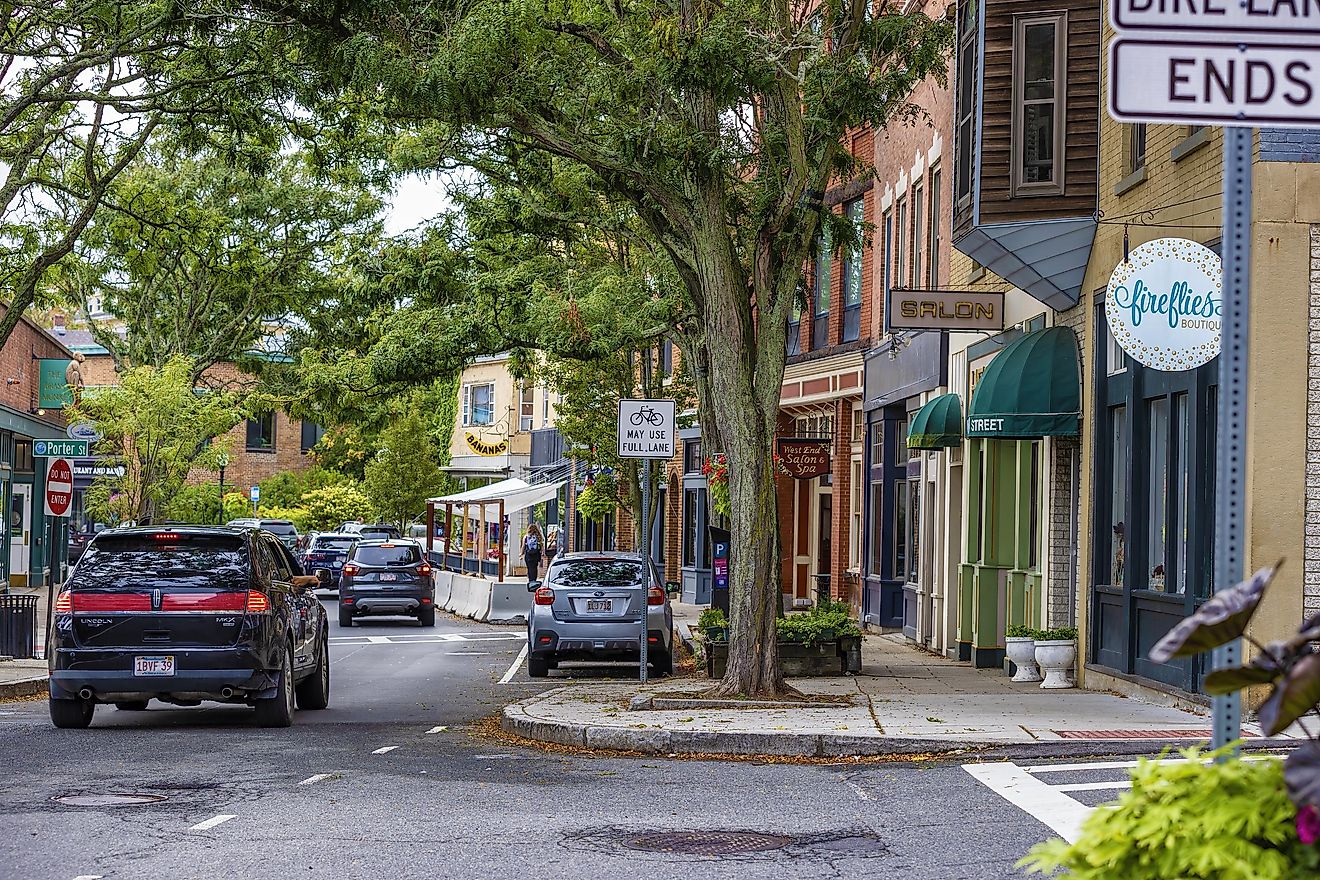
x,y
280,528
137,562
596,573
333,543
387,554
378,534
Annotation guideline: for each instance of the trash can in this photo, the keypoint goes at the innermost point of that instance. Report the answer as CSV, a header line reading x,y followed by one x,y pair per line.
x,y
18,626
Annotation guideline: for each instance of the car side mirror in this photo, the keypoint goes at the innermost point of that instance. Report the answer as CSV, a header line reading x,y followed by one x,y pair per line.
x,y
323,575
533,586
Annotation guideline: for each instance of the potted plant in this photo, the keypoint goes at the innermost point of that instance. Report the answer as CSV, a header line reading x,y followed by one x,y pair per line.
x,y
713,625
1056,651
822,641
1020,645
1216,815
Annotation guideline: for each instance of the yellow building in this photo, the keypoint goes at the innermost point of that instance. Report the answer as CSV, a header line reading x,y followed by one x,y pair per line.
x,y
497,415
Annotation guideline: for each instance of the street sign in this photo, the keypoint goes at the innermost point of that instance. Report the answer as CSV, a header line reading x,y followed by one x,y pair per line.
x,y
646,429
1297,18
59,448
1214,83
255,494
59,487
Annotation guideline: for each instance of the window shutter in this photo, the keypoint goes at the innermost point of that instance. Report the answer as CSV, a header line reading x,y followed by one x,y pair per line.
x,y
467,405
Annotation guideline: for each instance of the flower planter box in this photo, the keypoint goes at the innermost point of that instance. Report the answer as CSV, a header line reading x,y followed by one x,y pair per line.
x,y
798,660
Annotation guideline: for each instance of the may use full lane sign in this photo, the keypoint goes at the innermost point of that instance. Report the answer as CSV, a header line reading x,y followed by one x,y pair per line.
x,y
646,429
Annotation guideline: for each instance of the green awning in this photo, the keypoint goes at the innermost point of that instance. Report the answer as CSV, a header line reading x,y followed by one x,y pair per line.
x,y
937,425
1031,389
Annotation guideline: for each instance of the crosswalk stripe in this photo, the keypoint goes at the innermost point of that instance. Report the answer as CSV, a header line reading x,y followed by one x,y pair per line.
x,y
1041,801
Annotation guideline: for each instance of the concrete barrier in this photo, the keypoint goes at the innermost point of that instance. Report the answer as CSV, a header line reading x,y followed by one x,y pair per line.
x,y
444,585
470,597
509,602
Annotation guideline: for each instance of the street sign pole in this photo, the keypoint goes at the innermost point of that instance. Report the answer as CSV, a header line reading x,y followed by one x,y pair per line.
x,y
1230,466
646,559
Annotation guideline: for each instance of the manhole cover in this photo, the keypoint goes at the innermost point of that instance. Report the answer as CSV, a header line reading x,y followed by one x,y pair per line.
x,y
708,843
108,800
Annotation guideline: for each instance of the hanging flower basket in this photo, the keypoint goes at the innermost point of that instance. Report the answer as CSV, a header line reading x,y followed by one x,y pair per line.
x,y
716,471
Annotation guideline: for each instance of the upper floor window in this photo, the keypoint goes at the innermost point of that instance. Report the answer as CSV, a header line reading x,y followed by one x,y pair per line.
x,y
311,435
965,109
667,358
915,260
933,261
261,432
545,407
900,227
795,324
479,404
692,459
820,325
1038,106
1134,148
852,274
526,408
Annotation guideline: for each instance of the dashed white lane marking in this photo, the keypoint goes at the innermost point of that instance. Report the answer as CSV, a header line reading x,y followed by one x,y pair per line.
x,y
1092,786
212,822
317,778
1041,801
513,670
89,877
428,639
439,728
467,653
384,749
1123,765
385,640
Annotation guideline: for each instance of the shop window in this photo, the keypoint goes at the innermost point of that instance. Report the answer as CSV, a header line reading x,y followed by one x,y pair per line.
x,y
694,528
916,257
261,433
820,321
900,530
1118,464
1115,358
858,425
914,531
311,435
692,457
1157,492
1033,512
852,275
23,456
877,445
933,258
1182,463
965,102
1038,89
876,567
526,408
855,517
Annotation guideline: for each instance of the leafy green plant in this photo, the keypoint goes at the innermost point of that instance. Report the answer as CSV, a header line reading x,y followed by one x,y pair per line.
x,y
712,618
825,622
600,499
1059,634
1019,631
327,508
1196,819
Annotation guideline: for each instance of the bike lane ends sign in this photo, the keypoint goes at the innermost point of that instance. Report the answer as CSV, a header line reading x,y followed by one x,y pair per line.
x,y
646,429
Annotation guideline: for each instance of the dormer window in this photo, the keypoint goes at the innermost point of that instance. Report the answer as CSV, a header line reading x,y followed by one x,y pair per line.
x,y
1039,51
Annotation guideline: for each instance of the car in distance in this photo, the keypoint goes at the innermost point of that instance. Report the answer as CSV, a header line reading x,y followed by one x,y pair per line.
x,y
286,531
328,550
185,614
386,577
372,531
590,606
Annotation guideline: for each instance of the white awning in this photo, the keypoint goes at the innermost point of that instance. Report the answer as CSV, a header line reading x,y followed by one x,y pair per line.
x,y
494,491
516,494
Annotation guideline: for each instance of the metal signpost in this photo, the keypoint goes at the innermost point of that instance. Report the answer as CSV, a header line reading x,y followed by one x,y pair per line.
x,y
1236,63
646,432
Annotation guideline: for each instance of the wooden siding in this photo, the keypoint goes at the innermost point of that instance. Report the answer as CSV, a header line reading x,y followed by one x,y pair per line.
x,y
1080,147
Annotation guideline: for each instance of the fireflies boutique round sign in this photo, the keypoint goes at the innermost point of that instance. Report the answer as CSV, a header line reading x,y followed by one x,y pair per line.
x,y
1164,304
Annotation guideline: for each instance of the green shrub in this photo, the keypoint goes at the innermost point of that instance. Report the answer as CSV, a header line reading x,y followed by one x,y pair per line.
x,y
326,508
1060,634
1018,631
712,618
600,499
823,623
1189,820
195,504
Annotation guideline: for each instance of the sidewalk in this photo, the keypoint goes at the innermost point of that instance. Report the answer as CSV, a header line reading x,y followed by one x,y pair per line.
x,y
905,702
22,678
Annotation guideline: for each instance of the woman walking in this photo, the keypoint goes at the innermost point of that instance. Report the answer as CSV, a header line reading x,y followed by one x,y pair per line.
x,y
532,543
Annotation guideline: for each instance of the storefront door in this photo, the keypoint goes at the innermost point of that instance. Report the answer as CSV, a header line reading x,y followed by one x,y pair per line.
x,y
20,534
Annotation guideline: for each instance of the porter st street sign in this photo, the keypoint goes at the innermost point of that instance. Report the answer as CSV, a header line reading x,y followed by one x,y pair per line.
x,y
59,448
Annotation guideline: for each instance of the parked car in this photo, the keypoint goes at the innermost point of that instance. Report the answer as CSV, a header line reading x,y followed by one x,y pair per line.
x,y
373,531
183,615
386,577
286,531
328,550
79,538
589,607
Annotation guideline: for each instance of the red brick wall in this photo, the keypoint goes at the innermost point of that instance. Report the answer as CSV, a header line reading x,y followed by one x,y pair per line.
x,y
20,374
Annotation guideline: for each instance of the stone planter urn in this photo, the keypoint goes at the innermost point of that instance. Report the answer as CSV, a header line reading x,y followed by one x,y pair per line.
x,y
1022,651
1056,659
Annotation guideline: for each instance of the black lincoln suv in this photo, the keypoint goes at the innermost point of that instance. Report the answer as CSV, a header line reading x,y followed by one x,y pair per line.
x,y
386,577
184,614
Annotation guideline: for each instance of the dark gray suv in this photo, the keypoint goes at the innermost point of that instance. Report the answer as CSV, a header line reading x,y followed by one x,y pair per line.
x,y
386,577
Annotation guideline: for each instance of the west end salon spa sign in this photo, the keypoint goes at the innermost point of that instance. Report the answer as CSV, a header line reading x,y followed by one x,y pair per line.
x,y
1164,304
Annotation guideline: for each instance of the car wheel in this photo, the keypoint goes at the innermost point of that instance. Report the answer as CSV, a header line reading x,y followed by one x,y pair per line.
x,y
426,617
132,706
313,692
538,667
74,713
345,618
278,710
662,662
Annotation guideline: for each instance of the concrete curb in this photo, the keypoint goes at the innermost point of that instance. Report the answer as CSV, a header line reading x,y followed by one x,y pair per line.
x,y
24,687
649,740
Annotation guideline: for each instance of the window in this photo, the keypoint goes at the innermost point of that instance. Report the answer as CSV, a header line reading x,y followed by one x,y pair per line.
x,y
1033,510
1114,355
479,404
900,226
877,529
915,257
900,530
965,112
1134,148
261,433
795,325
852,275
23,455
694,528
855,517
526,407
1157,492
820,323
311,435
933,259
1038,65
877,444
858,425
667,358
545,407
1182,464
692,457
1118,465
914,531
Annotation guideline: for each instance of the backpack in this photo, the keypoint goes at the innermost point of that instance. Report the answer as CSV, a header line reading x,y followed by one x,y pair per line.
x,y
532,544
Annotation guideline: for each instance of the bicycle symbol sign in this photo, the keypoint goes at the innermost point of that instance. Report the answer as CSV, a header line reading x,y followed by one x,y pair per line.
x,y
646,428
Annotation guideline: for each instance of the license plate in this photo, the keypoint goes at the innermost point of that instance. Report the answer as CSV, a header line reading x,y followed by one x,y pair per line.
x,y
599,605
386,576
153,665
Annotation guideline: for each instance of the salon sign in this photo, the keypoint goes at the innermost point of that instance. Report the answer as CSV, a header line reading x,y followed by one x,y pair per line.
x,y
1164,304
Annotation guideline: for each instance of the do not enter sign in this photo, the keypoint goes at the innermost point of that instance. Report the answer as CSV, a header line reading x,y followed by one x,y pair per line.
x,y
59,487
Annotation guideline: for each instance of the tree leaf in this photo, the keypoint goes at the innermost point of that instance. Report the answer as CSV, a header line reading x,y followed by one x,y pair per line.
x,y
1226,681
1295,695
1302,773
1219,621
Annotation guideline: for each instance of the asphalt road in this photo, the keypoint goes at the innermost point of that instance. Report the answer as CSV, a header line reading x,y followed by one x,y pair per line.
x,y
389,782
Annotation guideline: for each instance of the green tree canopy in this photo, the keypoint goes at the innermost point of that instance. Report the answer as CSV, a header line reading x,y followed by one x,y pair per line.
x,y
405,473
